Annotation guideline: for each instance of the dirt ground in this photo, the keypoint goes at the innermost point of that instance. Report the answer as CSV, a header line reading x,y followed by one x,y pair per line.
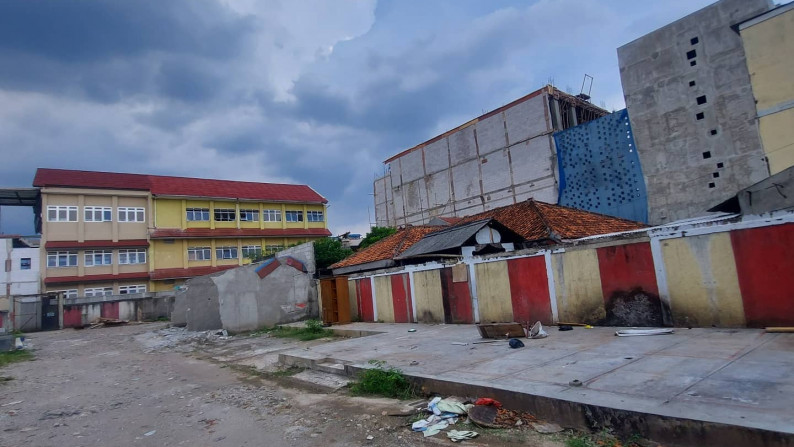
x,y
150,385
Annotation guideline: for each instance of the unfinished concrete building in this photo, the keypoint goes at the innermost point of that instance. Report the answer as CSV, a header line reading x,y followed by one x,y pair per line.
x,y
692,112
502,157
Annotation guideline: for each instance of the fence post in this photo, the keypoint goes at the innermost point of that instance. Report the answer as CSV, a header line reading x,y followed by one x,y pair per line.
x,y
60,310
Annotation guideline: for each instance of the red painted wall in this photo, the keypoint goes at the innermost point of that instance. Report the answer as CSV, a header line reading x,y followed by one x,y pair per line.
x,y
109,310
765,265
456,298
401,297
364,296
529,290
627,267
72,316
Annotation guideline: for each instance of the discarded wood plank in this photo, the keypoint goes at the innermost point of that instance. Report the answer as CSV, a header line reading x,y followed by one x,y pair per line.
x,y
774,330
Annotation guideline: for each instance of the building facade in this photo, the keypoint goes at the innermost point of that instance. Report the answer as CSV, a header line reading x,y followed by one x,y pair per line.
x,y
20,258
692,111
766,38
503,157
114,234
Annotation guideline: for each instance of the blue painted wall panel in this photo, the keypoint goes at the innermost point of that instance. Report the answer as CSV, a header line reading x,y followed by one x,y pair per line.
x,y
600,169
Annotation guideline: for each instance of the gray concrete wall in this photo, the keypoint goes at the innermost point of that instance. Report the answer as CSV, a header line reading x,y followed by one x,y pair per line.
x,y
239,300
692,164
499,160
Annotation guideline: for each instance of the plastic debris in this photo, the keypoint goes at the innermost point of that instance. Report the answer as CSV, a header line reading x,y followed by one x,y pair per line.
x,y
639,332
411,330
516,343
461,435
451,406
149,433
546,427
536,331
565,327
488,401
575,382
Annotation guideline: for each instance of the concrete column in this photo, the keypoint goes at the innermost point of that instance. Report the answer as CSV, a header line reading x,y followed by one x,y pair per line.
x,y
184,214
283,216
114,219
305,217
212,252
80,218
261,216
184,254
237,213
212,214
239,252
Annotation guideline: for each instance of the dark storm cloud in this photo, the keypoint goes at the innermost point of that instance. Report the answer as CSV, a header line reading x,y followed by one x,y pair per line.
x,y
84,31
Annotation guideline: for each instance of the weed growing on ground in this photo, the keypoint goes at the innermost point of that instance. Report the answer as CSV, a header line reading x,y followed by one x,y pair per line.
x,y
383,380
579,441
289,372
20,355
314,329
603,439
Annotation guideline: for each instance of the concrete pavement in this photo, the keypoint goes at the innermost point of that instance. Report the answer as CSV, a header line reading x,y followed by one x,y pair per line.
x,y
694,387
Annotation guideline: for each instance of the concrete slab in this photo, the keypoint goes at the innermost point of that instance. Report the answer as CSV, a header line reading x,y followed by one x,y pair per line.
x,y
709,384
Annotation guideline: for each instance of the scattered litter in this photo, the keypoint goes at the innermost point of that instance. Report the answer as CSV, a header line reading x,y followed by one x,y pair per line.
x,y
461,435
458,343
451,406
536,331
501,330
575,382
12,403
779,329
484,416
587,326
565,327
516,343
222,333
411,330
149,433
102,322
546,427
19,343
370,437
488,401
414,363
639,332
512,418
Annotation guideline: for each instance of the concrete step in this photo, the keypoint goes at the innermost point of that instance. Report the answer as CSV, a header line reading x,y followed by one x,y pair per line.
x,y
321,381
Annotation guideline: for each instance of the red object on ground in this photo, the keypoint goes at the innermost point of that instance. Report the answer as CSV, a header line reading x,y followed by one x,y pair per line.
x,y
488,401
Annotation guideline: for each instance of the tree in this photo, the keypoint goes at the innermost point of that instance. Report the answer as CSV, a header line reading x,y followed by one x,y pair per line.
x,y
375,234
328,251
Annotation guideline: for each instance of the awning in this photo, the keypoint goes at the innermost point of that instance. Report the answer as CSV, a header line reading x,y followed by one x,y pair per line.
x,y
19,196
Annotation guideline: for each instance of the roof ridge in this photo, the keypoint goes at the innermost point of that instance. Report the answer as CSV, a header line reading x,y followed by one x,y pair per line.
x,y
542,217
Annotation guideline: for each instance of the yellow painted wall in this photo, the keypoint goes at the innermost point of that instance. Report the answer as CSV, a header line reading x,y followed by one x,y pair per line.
x,y
168,213
768,49
578,285
167,256
383,299
429,296
162,286
351,297
702,281
777,134
493,292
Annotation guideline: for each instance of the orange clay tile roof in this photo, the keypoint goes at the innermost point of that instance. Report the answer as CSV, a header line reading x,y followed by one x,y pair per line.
x,y
532,220
389,247
535,220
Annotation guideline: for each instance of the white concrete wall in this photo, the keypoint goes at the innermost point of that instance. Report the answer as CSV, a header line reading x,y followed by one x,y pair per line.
x,y
14,280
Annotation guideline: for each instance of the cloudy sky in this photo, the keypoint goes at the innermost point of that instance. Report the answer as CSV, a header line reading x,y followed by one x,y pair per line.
x,y
306,91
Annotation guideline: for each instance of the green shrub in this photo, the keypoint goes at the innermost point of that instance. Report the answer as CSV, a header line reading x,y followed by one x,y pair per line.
x,y
20,355
383,380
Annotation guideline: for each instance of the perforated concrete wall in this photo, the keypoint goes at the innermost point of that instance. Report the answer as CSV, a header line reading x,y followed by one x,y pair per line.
x,y
600,169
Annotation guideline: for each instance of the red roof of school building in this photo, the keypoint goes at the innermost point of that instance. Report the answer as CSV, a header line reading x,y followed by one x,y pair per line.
x,y
177,186
168,233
